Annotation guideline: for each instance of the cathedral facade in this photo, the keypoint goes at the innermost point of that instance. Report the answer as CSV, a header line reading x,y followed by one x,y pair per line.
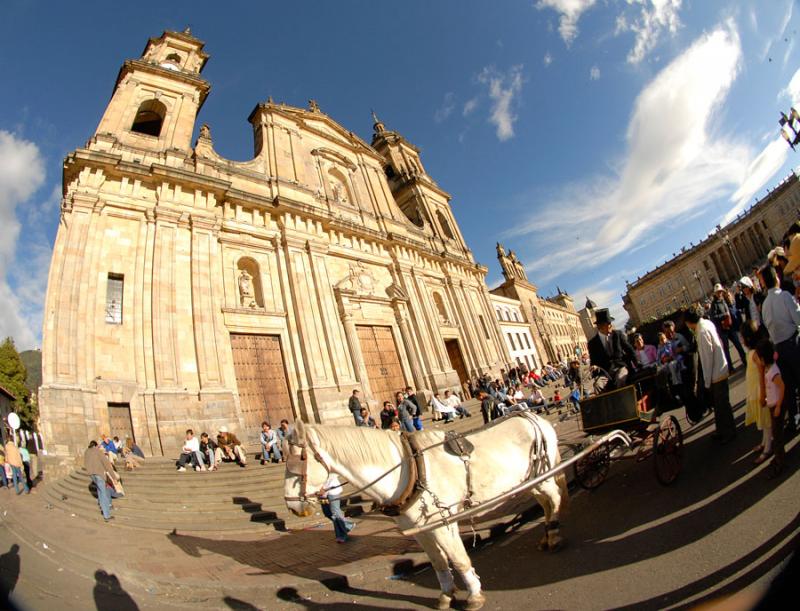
x,y
190,291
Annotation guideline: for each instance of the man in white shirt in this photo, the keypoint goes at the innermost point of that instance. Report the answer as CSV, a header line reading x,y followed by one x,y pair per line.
x,y
453,401
715,372
443,408
191,453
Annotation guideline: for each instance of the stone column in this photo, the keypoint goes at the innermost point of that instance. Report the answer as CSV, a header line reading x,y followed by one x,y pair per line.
x,y
408,341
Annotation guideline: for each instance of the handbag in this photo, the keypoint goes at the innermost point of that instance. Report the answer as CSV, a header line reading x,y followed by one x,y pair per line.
x,y
727,322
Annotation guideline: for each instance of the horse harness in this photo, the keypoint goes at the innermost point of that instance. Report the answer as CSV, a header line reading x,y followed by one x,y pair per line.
x,y
454,443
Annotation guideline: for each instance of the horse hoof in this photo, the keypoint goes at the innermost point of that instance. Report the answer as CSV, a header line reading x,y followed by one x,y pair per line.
x,y
444,600
475,602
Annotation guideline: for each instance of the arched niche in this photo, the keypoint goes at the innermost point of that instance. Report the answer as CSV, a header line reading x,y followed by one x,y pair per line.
x,y
149,118
339,187
440,308
248,284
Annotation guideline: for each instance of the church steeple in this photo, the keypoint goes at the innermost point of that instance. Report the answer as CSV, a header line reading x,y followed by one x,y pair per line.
x,y
157,97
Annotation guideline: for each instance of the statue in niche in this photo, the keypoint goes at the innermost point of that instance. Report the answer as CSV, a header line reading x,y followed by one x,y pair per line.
x,y
247,296
339,192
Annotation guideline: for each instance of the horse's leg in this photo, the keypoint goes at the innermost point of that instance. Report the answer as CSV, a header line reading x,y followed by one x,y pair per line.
x,y
449,540
553,491
443,573
547,506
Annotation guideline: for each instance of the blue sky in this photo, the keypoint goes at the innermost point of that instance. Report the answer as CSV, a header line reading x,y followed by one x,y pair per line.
x,y
593,137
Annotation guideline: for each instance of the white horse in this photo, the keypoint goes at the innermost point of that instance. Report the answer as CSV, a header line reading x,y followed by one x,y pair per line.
x,y
509,452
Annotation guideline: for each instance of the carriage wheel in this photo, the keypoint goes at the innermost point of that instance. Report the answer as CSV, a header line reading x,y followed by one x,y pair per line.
x,y
592,469
668,451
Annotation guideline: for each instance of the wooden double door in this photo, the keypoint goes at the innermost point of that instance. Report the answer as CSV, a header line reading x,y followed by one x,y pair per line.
x,y
456,359
119,419
261,379
382,362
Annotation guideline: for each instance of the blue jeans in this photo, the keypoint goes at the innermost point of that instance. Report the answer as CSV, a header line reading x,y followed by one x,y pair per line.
x,y
18,476
103,495
333,511
407,425
275,451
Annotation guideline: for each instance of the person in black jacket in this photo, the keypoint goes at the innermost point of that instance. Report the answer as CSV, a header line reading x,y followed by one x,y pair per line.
x,y
723,318
610,351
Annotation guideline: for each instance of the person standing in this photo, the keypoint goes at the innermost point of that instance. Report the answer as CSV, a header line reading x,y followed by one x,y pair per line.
x,y
331,506
749,307
99,468
14,458
722,317
714,368
406,411
780,314
354,405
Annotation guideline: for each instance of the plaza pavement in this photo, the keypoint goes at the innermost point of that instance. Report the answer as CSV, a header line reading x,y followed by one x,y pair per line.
x,y
178,568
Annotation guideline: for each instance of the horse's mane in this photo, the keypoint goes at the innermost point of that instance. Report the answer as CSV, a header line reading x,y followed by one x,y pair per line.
x,y
347,444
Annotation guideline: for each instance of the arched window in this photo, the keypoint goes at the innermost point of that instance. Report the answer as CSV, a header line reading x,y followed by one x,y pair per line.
x,y
440,308
149,118
248,283
444,225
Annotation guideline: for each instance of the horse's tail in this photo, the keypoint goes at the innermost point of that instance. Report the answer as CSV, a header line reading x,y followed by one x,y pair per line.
x,y
561,480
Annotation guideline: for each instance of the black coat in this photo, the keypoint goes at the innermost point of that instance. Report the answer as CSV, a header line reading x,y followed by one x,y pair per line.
x,y
621,353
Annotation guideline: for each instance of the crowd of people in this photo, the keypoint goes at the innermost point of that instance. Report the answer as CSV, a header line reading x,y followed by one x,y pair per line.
x,y
760,317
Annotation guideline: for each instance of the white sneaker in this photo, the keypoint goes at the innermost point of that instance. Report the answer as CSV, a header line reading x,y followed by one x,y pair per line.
x,y
197,468
181,468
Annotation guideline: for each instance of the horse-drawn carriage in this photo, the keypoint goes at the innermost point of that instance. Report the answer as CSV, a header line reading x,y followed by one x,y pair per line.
x,y
638,410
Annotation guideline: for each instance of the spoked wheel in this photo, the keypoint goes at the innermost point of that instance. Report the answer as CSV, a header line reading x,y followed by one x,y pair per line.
x,y
668,451
592,469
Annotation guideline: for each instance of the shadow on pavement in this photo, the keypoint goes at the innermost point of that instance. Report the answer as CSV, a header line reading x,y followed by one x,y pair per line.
x,y
109,595
304,554
9,574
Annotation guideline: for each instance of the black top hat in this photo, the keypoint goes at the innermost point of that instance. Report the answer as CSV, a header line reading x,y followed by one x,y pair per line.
x,y
602,317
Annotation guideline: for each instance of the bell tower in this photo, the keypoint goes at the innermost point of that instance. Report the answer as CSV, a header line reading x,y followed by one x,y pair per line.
x,y
157,97
418,196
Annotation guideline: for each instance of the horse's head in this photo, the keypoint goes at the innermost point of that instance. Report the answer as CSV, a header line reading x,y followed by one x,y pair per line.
x,y
304,474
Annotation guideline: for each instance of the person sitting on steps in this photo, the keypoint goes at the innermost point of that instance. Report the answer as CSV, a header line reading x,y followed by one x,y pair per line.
x,y
210,452
453,401
231,447
191,453
270,444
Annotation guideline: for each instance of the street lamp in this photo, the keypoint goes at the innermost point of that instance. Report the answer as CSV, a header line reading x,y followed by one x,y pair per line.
x,y
790,127
686,295
699,279
727,240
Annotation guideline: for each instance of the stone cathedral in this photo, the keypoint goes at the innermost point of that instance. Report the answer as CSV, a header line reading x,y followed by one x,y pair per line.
x,y
187,290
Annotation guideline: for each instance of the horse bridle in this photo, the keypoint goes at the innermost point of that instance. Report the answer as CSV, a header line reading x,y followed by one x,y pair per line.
x,y
302,473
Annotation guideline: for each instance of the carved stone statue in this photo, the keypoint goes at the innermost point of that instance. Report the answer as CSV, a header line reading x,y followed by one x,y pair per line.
x,y
247,296
313,106
205,131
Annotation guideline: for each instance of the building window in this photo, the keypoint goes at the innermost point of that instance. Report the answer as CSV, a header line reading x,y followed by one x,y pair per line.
x,y
114,299
527,341
444,225
516,316
149,118
511,341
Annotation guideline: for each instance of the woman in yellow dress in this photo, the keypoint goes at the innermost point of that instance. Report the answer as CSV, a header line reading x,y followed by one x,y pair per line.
x,y
754,383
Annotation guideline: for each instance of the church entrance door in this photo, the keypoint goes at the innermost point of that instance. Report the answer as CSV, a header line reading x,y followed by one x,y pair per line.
x,y
119,418
456,359
261,380
382,362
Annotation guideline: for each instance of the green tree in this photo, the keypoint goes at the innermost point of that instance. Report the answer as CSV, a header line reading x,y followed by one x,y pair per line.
x,y
12,378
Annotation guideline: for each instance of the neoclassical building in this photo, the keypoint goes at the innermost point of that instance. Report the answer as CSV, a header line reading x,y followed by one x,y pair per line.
x,y
188,290
724,256
554,322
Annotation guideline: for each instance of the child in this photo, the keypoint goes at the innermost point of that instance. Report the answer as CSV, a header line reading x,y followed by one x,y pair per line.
x,y
755,413
772,400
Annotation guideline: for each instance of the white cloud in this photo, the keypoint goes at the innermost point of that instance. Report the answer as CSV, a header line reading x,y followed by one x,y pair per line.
x,y
570,11
21,174
655,17
673,164
792,91
594,73
470,106
758,172
502,90
448,104
788,53
548,59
